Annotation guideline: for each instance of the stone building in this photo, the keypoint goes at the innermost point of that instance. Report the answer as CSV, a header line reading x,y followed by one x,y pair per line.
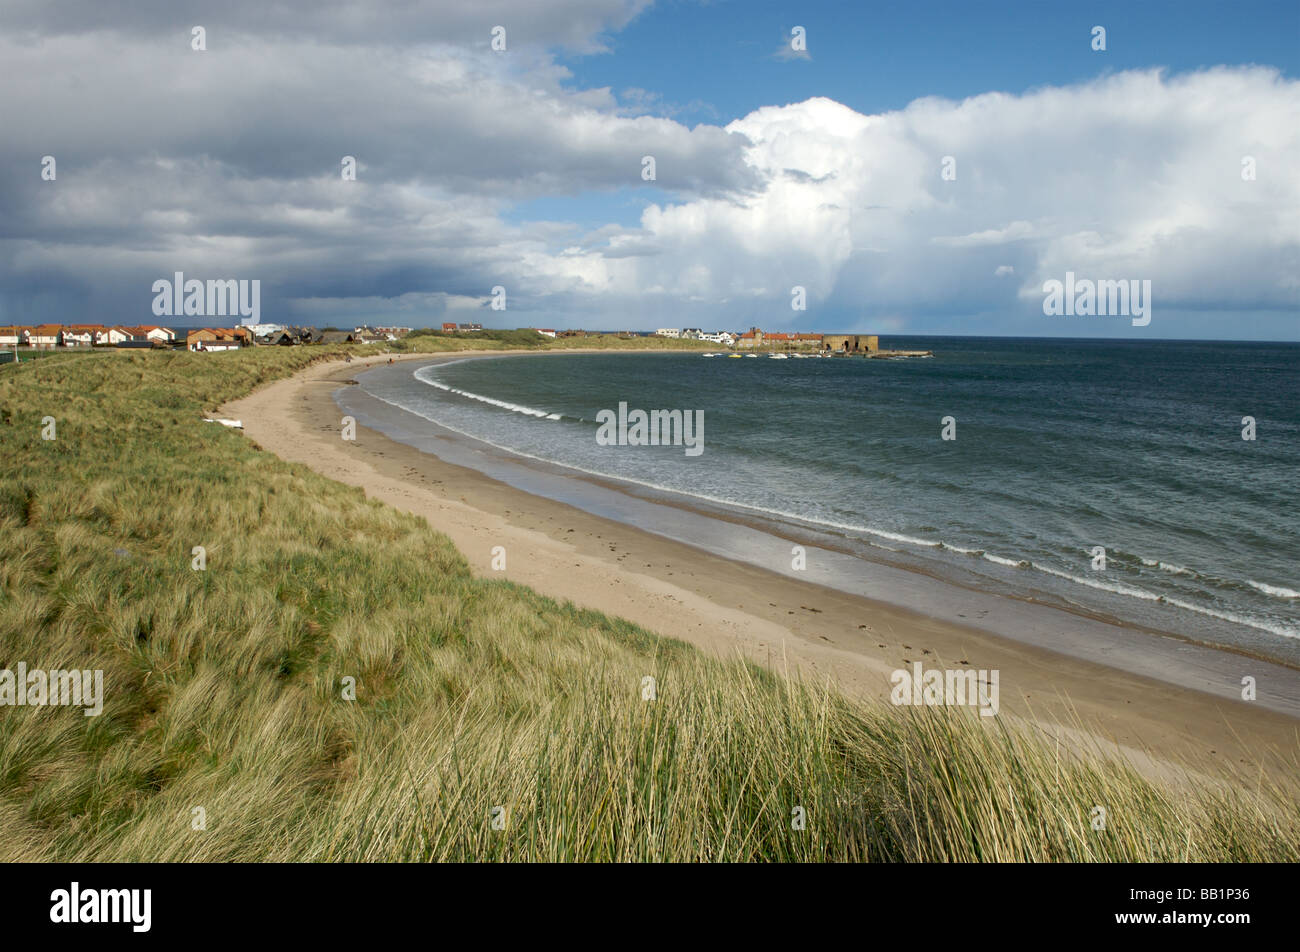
x,y
851,343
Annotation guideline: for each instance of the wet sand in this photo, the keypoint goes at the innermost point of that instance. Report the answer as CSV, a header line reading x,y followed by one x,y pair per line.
x,y
725,606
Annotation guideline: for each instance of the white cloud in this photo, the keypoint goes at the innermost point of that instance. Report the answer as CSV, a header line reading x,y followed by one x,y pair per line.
x,y
1132,175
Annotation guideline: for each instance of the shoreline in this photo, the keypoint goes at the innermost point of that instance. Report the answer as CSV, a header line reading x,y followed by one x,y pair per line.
x,y
791,528
680,591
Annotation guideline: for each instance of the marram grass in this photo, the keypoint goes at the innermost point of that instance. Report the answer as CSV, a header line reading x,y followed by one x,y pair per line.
x,y
479,704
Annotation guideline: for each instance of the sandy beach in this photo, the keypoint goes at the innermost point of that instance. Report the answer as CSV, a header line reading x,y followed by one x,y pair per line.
x,y
725,606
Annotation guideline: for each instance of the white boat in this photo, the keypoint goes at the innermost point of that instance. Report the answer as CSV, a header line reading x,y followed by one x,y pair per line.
x,y
751,356
776,356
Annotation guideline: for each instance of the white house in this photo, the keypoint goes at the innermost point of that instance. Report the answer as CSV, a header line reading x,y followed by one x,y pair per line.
x,y
720,337
43,337
545,331
79,335
152,332
668,332
692,333
113,335
11,336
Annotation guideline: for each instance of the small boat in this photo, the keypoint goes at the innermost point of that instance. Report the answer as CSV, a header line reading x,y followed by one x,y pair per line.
x,y
710,355
751,356
735,355
776,357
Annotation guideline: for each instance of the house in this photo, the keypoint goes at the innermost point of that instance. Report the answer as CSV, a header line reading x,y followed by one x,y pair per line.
x,y
449,327
337,337
44,336
153,333
668,332
750,339
544,331
263,333
194,340
692,333
468,328
297,335
216,338
11,336
720,337
111,336
79,335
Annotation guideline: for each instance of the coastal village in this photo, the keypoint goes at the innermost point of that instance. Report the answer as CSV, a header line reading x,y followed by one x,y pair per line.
x,y
199,339
218,339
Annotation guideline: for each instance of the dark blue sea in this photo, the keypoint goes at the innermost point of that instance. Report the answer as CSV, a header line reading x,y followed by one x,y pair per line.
x,y
1062,447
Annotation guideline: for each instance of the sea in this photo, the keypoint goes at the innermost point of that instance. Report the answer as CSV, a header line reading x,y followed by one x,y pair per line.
x,y
1150,483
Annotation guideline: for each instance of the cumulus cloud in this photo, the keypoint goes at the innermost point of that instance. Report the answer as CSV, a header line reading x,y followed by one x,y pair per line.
x,y
1133,175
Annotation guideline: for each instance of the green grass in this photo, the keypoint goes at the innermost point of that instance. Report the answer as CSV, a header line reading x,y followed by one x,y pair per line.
x,y
223,687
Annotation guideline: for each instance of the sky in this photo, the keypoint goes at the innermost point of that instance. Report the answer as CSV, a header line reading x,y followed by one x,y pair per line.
x,y
918,168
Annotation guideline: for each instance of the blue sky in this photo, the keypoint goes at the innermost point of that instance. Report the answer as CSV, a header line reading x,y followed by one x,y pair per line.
x,y
714,60
521,168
